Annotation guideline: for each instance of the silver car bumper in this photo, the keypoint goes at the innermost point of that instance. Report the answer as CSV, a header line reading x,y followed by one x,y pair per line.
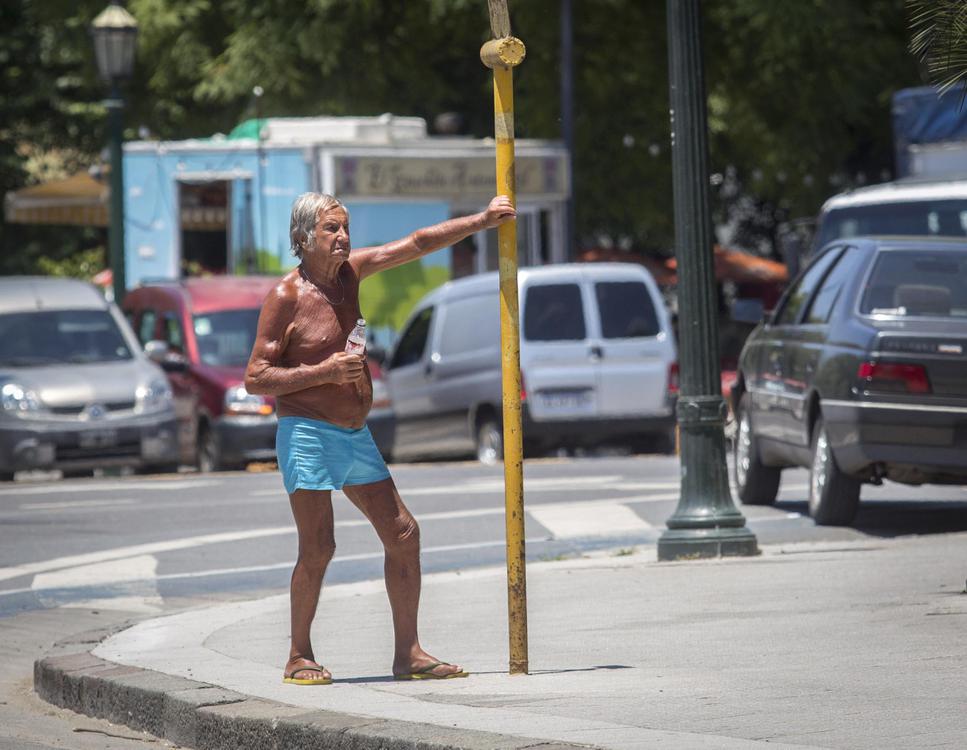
x,y
141,440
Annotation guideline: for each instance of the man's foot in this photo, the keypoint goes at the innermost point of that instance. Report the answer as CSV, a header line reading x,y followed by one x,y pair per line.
x,y
428,668
301,671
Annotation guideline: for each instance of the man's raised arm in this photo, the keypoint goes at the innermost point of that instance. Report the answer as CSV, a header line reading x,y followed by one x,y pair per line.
x,y
370,260
265,375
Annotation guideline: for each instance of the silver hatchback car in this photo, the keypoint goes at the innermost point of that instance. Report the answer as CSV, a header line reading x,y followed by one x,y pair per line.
x,y
76,390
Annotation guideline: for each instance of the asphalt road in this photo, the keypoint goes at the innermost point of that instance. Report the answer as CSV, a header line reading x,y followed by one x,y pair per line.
x,y
83,554
130,543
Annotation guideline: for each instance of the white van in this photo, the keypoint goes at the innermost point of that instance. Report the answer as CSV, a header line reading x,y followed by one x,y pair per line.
x,y
597,359
931,206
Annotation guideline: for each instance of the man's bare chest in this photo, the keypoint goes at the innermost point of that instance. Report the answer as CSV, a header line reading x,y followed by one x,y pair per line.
x,y
319,329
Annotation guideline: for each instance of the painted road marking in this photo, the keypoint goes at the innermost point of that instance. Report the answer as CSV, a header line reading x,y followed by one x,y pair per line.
x,y
68,504
119,486
150,548
141,569
592,519
596,518
550,484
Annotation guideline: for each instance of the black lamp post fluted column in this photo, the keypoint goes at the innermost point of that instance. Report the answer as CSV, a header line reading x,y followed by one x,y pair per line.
x,y
115,38
706,523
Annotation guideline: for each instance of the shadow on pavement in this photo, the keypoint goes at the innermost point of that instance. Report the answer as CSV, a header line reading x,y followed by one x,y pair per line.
x,y
893,518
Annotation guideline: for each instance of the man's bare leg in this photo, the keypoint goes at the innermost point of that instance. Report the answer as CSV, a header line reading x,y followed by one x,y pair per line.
x,y
312,510
400,535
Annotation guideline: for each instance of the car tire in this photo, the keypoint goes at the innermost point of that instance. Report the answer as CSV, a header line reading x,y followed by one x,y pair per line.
x,y
6,476
834,497
490,442
755,483
208,452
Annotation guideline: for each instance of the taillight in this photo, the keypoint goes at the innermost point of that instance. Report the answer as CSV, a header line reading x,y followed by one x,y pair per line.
x,y
523,389
893,377
673,378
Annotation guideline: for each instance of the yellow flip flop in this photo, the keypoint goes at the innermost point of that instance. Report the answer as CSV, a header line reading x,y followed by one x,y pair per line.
x,y
427,673
288,677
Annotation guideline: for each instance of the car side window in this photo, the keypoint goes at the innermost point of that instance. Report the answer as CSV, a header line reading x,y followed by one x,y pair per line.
x,y
146,326
413,340
825,298
797,297
554,312
626,310
173,333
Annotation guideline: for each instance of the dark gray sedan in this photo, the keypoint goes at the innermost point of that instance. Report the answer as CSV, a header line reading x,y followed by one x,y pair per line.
x,y
860,375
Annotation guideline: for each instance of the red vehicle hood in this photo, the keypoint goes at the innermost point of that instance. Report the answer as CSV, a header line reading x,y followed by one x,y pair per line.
x,y
225,377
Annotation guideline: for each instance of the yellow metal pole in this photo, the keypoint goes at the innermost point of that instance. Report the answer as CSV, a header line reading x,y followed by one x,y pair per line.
x,y
502,55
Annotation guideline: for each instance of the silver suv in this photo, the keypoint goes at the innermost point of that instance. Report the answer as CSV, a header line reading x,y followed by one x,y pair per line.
x,y
76,391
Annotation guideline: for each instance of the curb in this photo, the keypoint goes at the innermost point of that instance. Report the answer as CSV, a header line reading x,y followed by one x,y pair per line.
x,y
205,717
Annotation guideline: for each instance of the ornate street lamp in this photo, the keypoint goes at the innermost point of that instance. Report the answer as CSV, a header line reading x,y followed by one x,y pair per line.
x,y
115,34
706,523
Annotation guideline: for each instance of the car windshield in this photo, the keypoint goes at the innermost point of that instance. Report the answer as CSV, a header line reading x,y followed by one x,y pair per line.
x,y
946,218
225,338
921,283
58,337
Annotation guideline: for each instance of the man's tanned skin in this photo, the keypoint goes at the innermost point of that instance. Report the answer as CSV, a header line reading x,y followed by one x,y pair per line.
x,y
299,358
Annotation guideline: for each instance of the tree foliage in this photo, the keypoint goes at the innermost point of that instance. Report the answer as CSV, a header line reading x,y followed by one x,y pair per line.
x,y
799,92
940,39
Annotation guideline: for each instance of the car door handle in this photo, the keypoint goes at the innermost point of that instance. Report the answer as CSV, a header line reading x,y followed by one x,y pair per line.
x,y
596,353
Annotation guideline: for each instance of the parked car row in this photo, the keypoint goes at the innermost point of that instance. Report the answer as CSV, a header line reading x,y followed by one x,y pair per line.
x,y
84,388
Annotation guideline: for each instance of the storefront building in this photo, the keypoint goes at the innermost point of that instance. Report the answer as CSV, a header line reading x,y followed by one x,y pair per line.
x,y
222,205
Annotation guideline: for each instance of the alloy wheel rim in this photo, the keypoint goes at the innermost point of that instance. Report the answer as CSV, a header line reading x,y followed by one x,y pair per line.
x,y
488,451
817,479
743,449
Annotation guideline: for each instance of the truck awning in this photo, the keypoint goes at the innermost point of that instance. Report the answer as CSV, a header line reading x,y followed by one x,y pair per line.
x,y
78,200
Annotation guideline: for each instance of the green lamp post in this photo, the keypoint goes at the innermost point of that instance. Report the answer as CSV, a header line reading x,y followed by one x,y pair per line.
x,y
115,35
706,523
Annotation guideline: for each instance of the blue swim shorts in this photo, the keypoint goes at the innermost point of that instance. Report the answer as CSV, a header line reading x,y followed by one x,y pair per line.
x,y
318,455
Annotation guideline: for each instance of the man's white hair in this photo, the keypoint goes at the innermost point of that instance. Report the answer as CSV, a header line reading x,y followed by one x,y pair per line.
x,y
305,215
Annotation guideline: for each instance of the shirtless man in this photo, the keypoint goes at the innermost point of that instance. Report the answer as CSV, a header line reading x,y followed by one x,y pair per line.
x,y
323,396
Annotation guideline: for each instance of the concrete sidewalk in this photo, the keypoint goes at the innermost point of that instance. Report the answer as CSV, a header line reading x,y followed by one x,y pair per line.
x,y
835,646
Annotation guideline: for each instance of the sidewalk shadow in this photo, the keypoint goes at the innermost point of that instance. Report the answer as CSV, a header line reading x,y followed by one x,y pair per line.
x,y
389,678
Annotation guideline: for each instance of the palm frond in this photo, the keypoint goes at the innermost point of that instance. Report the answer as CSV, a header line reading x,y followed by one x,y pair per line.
x,y
939,40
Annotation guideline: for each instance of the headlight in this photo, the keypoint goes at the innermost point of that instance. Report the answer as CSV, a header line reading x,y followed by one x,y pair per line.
x,y
18,400
240,401
155,396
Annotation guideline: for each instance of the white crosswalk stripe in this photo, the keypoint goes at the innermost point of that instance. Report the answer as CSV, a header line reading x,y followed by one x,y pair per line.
x,y
141,571
593,519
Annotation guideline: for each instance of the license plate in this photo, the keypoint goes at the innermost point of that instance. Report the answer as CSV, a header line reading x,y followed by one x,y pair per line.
x,y
98,438
566,399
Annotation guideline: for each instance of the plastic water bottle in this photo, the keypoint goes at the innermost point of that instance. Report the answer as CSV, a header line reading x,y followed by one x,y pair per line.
x,y
356,343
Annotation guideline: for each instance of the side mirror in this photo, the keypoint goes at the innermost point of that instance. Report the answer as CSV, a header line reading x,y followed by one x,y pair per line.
x,y
157,351
748,310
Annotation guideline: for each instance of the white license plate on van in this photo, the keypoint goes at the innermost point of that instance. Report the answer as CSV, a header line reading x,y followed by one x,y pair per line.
x,y
565,399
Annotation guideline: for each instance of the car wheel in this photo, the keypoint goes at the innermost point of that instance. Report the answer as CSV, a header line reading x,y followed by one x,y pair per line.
x,y
834,497
6,476
755,483
490,443
209,453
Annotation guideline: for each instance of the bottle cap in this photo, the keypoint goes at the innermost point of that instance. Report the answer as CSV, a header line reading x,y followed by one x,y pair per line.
x,y
361,322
